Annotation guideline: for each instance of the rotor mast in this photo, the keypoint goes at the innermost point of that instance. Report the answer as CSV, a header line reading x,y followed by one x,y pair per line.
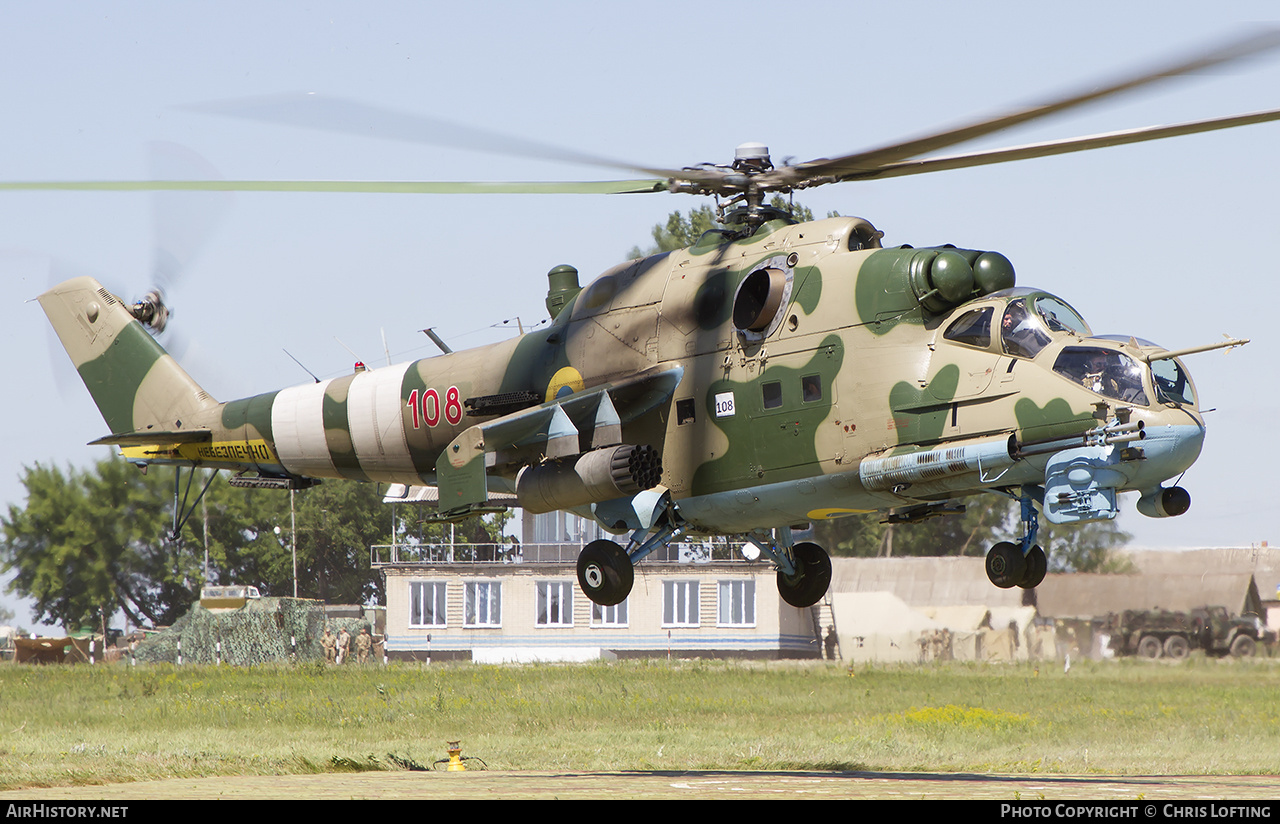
x,y
746,181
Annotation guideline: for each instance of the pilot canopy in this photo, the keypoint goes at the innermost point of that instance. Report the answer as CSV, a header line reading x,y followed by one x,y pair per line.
x,y
1028,322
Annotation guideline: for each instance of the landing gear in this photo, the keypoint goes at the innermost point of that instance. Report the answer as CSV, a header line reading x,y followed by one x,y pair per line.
x,y
1021,564
606,570
809,583
1037,566
605,573
1006,565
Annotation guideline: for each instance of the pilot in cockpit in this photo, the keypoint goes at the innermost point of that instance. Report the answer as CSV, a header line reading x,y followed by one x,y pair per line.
x,y
1021,331
1096,378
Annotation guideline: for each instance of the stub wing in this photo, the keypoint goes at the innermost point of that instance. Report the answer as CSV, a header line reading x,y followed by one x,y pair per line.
x,y
555,428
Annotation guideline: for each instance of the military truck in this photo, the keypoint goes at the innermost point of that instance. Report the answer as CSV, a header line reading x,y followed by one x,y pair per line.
x,y
1155,633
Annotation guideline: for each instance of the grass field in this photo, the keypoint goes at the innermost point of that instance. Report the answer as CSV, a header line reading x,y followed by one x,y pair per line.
x,y
111,723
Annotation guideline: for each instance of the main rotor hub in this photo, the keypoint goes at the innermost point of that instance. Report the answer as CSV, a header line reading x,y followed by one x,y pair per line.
x,y
752,157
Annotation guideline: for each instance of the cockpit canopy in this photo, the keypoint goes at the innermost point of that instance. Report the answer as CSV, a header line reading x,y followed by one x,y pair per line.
x,y
1029,321
1025,325
1111,374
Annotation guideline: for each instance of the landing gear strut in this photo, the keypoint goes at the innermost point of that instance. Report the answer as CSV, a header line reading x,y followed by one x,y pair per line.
x,y
606,571
1023,564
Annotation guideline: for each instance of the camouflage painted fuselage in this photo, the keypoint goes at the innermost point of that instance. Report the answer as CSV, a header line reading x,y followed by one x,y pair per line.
x,y
772,402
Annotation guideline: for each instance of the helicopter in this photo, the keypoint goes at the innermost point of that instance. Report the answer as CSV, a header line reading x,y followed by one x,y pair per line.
x,y
773,374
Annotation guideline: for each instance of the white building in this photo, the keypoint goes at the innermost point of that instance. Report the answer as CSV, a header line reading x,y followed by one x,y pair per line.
x,y
520,601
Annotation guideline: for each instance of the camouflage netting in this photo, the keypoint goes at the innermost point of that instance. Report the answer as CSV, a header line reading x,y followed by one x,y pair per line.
x,y
257,633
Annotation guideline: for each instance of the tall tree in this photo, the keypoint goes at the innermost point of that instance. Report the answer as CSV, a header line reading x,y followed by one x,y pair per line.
x,y
91,542
250,539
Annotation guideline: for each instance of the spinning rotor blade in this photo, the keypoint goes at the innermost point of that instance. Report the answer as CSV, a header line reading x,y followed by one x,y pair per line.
x,y
335,114
742,180
585,187
1057,147
868,163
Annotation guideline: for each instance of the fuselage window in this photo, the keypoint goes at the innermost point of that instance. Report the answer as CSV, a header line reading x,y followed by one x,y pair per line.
x,y
1172,384
772,392
811,388
972,328
685,412
1021,332
1060,317
1105,371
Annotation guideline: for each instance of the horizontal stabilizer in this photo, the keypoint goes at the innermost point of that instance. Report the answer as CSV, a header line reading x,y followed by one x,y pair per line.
x,y
146,438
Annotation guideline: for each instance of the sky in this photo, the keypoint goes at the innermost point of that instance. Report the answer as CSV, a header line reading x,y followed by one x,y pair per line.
x,y
1169,241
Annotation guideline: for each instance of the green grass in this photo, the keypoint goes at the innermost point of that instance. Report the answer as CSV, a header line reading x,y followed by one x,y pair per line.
x,y
109,723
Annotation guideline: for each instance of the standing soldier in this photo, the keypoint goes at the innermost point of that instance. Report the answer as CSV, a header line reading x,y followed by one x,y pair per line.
x,y
344,644
364,643
330,646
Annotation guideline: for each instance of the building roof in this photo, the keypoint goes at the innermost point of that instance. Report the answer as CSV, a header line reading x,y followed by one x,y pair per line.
x,y
1262,562
1180,580
946,581
1086,595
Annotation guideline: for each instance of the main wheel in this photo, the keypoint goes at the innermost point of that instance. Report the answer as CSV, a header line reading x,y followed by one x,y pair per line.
x,y
1006,565
1149,646
1176,647
605,573
813,576
1037,566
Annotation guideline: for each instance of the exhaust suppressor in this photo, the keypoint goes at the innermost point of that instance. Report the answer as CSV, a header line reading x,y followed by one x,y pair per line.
x,y
599,475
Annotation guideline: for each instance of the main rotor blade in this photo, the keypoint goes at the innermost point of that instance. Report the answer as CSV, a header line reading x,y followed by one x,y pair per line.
x,y
584,187
865,164
1057,147
335,114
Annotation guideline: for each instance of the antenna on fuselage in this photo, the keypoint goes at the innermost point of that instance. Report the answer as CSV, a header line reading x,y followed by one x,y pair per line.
x,y
430,332
304,369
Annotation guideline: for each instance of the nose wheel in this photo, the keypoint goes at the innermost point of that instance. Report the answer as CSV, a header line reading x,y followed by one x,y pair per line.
x,y
1006,564
605,573
1021,564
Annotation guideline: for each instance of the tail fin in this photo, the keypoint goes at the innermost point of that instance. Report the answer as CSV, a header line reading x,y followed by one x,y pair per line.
x,y
134,382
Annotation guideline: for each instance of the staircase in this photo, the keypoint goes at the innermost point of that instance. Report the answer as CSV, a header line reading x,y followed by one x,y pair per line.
x,y
824,622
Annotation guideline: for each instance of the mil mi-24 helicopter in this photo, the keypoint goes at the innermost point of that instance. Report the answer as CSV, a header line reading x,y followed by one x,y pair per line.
x,y
773,374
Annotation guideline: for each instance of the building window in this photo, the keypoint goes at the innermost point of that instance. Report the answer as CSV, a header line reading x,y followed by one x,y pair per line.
x,y
614,616
555,604
482,604
680,603
737,606
426,603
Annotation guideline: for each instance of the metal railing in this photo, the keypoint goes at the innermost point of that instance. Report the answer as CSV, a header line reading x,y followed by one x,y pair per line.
x,y
515,552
